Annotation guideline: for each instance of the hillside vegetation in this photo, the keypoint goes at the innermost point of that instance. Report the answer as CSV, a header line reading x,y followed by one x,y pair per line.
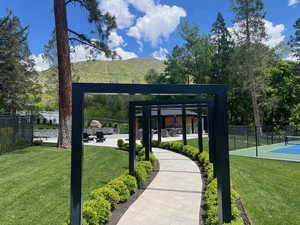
x,y
118,71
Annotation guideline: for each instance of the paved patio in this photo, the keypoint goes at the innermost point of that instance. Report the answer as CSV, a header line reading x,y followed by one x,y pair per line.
x,y
172,198
112,140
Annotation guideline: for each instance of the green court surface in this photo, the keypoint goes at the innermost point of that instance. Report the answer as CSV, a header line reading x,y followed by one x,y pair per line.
x,y
275,151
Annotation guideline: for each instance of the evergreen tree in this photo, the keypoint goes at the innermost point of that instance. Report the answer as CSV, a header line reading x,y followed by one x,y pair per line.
x,y
295,40
104,23
17,75
190,63
249,17
222,41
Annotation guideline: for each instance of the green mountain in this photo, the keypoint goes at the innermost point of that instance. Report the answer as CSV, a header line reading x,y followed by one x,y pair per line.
x,y
96,71
118,71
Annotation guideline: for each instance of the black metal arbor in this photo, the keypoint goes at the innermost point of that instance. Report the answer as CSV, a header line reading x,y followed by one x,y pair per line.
x,y
148,107
220,134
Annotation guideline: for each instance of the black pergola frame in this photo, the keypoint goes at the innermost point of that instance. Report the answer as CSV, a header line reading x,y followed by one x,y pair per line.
x,y
183,104
220,133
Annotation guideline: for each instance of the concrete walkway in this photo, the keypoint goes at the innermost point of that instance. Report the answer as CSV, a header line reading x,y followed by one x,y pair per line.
x,y
173,197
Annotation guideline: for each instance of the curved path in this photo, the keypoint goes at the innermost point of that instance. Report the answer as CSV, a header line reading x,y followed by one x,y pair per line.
x,y
172,198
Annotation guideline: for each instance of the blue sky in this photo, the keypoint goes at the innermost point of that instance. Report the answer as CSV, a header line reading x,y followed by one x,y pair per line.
x,y
146,27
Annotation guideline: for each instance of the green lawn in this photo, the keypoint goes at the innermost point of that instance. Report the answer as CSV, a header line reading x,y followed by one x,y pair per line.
x,y
269,189
35,182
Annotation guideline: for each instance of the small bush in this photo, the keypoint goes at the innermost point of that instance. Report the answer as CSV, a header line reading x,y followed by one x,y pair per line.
x,y
154,143
141,175
121,188
130,182
96,212
147,165
120,143
109,194
37,142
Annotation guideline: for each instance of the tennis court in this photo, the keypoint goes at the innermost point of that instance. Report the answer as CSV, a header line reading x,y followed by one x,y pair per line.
x,y
278,151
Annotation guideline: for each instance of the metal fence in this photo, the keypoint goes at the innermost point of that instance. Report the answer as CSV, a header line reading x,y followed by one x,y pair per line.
x,y
15,132
241,137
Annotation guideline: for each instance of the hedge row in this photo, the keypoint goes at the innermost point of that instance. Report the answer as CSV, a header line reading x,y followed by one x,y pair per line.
x,y
211,191
98,208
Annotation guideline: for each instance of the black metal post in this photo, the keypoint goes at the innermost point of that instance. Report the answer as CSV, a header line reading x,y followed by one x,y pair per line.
x,y
200,134
76,158
256,142
184,126
132,139
146,128
222,157
159,125
211,135
150,129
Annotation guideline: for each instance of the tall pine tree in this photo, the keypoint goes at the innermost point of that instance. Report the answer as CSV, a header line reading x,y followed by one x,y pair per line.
x,y
295,40
222,41
104,23
250,34
17,86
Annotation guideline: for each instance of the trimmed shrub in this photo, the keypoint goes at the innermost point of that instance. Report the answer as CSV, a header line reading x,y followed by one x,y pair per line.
x,y
120,143
96,212
37,142
176,146
109,194
154,143
143,170
121,188
190,151
147,165
130,182
153,160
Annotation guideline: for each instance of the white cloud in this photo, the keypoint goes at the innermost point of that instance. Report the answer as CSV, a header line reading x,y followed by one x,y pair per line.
x,y
158,22
161,54
274,33
142,5
125,54
40,63
115,40
293,2
119,9
80,53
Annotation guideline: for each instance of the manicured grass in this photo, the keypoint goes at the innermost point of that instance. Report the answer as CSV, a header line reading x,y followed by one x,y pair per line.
x,y
35,182
269,189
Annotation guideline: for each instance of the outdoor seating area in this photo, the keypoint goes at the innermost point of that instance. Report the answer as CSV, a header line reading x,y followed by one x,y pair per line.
x,y
98,137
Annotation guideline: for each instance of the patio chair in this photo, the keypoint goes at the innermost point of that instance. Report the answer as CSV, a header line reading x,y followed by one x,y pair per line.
x,y
85,137
100,137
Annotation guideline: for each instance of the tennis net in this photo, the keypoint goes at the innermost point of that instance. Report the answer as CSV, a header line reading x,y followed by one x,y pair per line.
x,y
292,140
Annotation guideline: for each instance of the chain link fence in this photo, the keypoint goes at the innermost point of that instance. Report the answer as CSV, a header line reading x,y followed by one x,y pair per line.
x,y
241,137
15,132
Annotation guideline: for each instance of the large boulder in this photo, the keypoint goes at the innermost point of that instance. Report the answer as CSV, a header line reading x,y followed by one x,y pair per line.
x,y
95,124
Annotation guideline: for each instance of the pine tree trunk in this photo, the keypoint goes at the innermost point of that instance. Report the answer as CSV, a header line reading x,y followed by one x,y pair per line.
x,y
64,71
255,107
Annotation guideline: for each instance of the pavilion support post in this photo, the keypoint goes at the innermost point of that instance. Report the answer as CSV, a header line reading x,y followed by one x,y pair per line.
x,y
184,126
150,128
222,157
132,139
200,134
76,158
159,125
146,129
